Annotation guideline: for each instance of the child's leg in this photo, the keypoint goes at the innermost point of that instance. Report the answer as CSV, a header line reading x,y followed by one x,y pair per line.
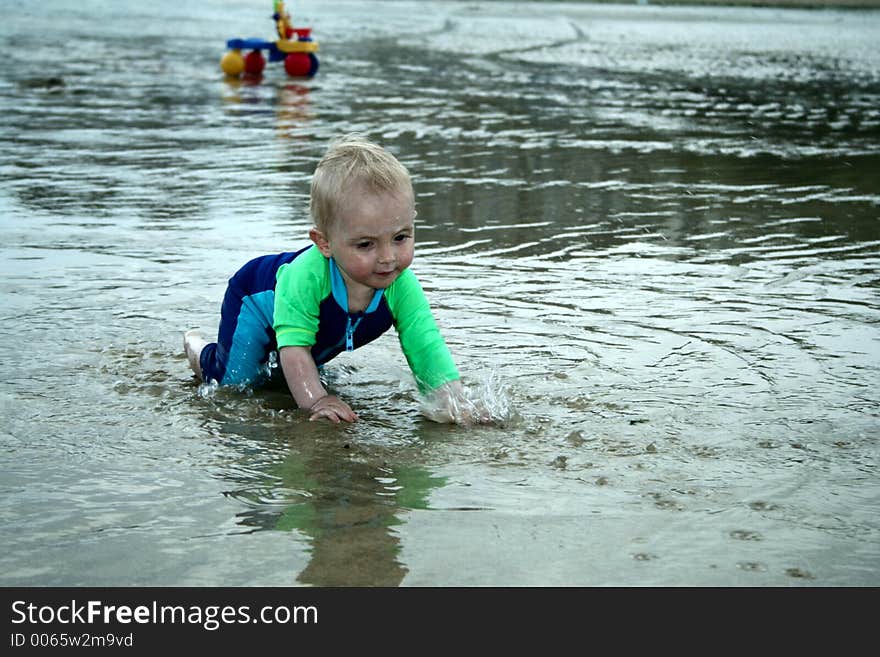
x,y
246,336
244,340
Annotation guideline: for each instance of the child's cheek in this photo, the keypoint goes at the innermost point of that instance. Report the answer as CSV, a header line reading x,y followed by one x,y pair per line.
x,y
408,258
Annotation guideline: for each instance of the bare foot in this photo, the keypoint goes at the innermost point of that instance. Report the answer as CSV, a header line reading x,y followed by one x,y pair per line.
x,y
193,343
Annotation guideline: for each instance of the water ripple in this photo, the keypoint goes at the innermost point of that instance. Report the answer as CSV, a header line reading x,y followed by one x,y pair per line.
x,y
653,230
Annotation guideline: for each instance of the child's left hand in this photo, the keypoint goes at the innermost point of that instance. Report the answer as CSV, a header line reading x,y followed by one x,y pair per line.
x,y
449,404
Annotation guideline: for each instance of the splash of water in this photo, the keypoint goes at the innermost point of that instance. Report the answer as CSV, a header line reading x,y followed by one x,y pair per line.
x,y
268,371
208,389
483,400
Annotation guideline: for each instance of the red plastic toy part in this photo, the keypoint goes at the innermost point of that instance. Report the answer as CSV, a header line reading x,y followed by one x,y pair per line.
x,y
297,64
254,63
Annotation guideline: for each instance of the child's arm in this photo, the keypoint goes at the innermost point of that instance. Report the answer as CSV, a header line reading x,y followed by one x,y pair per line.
x,y
444,397
304,382
300,287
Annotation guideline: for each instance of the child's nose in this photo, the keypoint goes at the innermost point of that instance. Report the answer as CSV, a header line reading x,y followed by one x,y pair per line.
x,y
386,253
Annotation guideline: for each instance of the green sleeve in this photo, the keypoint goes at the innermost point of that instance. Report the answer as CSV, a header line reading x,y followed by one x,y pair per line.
x,y
423,346
300,287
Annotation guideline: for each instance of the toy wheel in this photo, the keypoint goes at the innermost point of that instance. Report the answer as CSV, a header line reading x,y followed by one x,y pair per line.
x,y
301,64
232,63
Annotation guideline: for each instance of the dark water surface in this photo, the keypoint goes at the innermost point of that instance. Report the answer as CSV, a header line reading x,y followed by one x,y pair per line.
x,y
651,236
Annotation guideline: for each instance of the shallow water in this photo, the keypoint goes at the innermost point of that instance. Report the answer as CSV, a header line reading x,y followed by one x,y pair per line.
x,y
652,231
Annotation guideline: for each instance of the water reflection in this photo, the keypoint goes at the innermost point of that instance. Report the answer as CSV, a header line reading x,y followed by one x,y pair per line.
x,y
350,515
343,495
295,109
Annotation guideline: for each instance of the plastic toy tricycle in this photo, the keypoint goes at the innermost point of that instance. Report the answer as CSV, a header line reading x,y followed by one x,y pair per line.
x,y
294,46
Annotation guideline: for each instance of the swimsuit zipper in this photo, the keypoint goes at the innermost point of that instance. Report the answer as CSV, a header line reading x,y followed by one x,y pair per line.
x,y
348,340
349,333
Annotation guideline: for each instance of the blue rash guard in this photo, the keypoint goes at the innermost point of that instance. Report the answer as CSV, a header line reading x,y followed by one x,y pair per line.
x,y
299,299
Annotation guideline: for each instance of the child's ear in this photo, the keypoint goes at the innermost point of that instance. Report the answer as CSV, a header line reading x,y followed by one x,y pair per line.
x,y
320,241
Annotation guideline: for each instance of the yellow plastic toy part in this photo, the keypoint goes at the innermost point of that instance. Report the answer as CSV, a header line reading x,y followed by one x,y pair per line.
x,y
296,46
283,22
232,63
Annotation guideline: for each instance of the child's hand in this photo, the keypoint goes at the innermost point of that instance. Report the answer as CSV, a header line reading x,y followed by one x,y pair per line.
x,y
449,404
332,408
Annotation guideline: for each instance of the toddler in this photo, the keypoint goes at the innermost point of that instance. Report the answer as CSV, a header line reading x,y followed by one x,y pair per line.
x,y
337,294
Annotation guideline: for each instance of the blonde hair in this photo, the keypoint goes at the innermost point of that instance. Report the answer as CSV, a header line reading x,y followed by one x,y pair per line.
x,y
351,161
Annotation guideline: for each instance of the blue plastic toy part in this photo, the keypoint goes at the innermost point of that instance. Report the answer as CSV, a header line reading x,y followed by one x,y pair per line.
x,y
248,44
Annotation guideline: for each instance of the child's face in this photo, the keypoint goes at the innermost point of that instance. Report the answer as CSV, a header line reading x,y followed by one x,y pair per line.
x,y
372,239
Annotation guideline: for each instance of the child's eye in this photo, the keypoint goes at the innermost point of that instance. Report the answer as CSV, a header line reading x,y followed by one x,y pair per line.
x,y
364,245
401,238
